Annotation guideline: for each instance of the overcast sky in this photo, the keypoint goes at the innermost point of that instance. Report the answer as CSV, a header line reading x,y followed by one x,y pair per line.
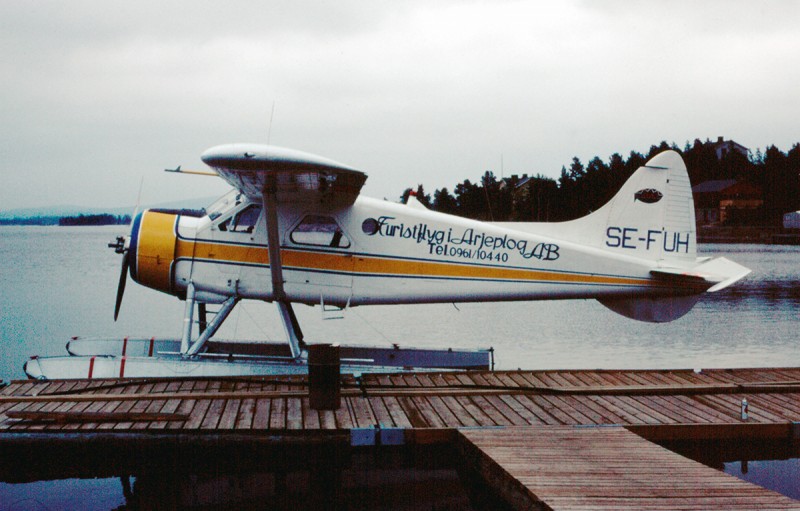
x,y
97,94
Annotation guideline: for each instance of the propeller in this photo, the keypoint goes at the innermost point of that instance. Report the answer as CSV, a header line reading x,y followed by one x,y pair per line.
x,y
120,248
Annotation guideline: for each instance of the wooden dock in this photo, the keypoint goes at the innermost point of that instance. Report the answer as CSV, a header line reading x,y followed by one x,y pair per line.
x,y
412,409
575,469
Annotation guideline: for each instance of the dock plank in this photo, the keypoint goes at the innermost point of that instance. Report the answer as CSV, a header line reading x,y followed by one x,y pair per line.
x,y
473,410
362,412
244,417
786,402
615,409
494,404
96,407
23,408
170,407
422,405
19,388
310,416
229,414
382,416
77,408
294,413
197,414
213,414
437,402
343,416
261,415
393,406
277,414
327,419
460,409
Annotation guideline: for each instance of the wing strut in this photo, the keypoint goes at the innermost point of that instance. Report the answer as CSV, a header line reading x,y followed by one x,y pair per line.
x,y
290,324
269,202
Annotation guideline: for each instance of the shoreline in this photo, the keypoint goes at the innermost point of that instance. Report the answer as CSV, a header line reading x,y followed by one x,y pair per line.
x,y
748,234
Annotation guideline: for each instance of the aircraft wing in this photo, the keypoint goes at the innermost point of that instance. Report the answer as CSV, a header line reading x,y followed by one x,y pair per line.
x,y
294,176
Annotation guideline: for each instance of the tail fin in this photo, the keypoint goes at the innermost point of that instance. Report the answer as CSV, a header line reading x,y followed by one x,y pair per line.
x,y
651,217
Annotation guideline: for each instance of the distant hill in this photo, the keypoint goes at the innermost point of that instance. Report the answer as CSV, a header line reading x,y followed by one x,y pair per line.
x,y
71,211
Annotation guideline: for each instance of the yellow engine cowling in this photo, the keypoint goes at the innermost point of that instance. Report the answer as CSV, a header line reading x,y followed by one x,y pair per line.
x,y
152,250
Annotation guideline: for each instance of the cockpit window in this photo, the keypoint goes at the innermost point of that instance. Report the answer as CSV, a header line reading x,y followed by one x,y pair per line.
x,y
223,204
243,221
320,231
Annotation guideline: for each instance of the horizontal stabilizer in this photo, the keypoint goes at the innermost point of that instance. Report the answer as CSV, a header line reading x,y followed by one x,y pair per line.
x,y
710,275
717,273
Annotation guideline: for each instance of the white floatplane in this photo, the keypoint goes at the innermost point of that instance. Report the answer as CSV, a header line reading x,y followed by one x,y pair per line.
x,y
296,230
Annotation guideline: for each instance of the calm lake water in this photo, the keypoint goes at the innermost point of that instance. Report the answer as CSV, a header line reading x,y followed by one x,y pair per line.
x,y
58,282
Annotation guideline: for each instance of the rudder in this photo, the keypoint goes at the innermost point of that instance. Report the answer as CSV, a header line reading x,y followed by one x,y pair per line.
x,y
651,217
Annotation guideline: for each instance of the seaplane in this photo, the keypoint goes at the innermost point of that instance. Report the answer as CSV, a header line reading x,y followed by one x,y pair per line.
x,y
295,229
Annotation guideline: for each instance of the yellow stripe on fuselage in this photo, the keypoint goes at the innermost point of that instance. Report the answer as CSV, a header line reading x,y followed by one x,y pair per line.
x,y
377,265
206,250
302,260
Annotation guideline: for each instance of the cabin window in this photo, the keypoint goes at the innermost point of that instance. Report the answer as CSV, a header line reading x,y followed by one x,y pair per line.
x,y
243,221
322,231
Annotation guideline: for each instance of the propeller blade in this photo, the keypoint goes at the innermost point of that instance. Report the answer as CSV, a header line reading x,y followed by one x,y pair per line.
x,y
123,277
120,248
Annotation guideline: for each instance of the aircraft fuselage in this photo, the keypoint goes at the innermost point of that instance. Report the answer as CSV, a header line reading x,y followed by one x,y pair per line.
x,y
377,252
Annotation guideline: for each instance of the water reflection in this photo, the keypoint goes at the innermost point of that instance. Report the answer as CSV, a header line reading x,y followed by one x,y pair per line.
x,y
772,464
753,323
296,491
208,479
771,292
775,273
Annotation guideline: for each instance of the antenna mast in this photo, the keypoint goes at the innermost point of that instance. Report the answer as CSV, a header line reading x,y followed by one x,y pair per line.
x,y
271,115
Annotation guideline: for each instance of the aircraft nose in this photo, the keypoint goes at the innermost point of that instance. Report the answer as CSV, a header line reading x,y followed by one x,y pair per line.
x,y
152,249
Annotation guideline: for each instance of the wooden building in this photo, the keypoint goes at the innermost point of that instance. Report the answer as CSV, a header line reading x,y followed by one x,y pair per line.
x,y
726,201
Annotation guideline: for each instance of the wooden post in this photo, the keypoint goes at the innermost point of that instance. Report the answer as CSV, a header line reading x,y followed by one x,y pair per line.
x,y
324,380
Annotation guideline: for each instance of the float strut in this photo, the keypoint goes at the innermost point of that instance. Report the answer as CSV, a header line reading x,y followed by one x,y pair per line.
x,y
202,321
212,328
188,318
